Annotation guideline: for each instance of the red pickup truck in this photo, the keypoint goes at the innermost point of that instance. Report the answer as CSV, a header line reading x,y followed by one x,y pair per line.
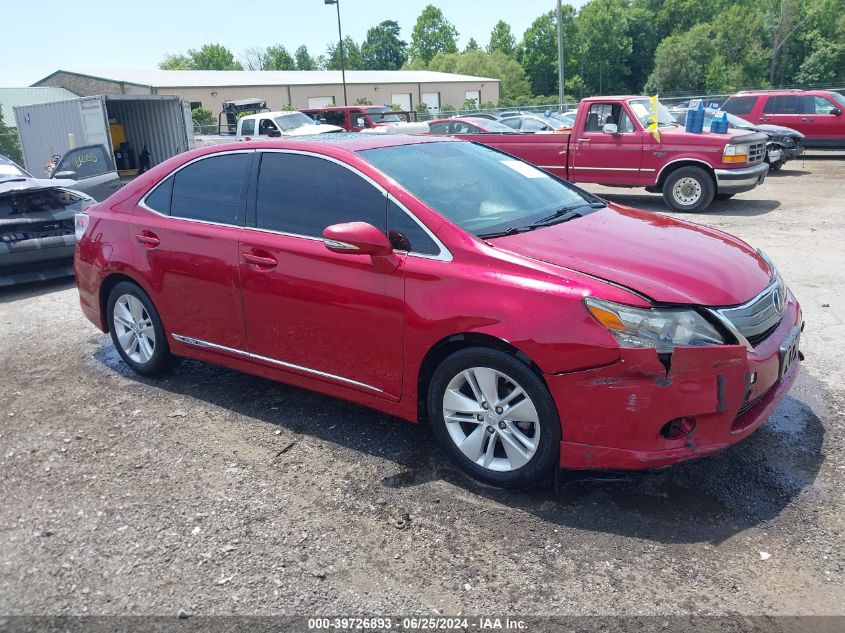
x,y
611,145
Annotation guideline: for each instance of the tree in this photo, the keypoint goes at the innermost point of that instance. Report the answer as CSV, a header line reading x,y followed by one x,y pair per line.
x,y
303,58
787,21
207,57
270,58
538,54
9,145
472,45
513,83
203,120
603,29
383,50
351,54
682,61
432,34
502,39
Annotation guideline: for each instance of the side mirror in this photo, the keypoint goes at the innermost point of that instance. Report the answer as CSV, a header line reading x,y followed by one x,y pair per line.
x,y
69,175
273,133
356,238
836,112
610,128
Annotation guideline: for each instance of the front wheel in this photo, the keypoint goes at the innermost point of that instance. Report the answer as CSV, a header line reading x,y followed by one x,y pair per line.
x,y
495,418
688,189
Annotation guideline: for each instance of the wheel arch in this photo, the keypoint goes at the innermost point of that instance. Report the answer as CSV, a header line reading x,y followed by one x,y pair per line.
x,y
675,165
106,286
447,346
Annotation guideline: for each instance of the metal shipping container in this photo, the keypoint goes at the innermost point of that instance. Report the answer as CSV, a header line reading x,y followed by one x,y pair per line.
x,y
160,123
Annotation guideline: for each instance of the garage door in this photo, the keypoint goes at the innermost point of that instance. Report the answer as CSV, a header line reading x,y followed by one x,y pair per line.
x,y
432,100
402,99
320,102
473,95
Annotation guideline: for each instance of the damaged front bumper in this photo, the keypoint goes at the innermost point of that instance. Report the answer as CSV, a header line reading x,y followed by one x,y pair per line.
x,y
715,395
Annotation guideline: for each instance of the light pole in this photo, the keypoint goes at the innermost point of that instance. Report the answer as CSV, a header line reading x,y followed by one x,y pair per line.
x,y
560,76
342,57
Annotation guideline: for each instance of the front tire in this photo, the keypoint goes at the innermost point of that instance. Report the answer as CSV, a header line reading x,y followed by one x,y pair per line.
x,y
688,189
495,418
136,330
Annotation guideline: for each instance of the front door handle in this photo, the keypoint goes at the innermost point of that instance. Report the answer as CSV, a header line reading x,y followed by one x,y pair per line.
x,y
583,140
148,239
806,120
262,262
764,119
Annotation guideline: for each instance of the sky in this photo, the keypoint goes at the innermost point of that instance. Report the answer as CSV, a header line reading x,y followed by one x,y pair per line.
x,y
121,36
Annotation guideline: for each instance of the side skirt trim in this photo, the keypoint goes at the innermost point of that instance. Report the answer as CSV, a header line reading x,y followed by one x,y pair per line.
x,y
307,370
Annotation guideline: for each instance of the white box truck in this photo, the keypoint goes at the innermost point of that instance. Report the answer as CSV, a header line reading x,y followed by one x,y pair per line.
x,y
77,137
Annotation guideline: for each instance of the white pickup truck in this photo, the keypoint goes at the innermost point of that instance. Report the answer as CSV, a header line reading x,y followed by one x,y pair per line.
x,y
266,125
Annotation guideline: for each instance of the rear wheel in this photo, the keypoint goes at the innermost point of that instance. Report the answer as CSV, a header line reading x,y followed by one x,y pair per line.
x,y
688,189
137,331
495,418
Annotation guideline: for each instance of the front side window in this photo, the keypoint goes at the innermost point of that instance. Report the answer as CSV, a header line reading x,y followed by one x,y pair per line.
x,y
335,117
478,188
406,235
739,105
266,126
85,162
819,105
304,194
210,189
441,127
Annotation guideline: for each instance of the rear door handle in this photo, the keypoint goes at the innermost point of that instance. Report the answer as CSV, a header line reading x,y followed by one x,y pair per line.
x,y
148,239
263,262
583,140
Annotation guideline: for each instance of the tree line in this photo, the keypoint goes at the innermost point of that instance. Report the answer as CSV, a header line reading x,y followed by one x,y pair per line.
x,y
610,46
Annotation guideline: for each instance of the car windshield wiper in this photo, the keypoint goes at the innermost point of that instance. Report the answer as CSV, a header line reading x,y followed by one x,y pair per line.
x,y
566,213
560,215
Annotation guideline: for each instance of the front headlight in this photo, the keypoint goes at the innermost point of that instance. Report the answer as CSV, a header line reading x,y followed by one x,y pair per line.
x,y
735,154
660,328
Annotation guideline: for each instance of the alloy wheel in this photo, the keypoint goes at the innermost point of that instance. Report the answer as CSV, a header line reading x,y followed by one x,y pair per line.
x,y
491,419
134,328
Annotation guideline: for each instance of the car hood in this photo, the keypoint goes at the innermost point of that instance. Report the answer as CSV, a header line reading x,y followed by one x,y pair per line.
x,y
32,184
778,130
667,260
308,129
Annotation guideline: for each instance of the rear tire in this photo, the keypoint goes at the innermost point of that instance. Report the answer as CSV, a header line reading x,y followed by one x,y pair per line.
x,y
136,330
688,189
495,418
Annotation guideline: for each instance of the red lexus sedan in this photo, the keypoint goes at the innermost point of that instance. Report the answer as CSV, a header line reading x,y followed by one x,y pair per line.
x,y
530,323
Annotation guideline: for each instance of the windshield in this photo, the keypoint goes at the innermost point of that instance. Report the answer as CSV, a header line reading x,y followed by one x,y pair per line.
x,y
838,98
293,120
10,169
489,125
642,109
384,115
479,189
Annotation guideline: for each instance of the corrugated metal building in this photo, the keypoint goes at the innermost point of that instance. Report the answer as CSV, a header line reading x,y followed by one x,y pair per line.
x,y
11,97
299,88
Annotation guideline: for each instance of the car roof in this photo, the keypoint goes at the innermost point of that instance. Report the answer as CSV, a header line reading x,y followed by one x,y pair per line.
x,y
785,91
348,141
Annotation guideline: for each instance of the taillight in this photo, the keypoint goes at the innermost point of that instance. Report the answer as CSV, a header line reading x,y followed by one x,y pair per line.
x,y
80,223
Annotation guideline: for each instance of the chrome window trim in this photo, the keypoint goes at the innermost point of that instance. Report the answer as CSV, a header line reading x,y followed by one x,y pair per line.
x,y
205,344
444,255
143,201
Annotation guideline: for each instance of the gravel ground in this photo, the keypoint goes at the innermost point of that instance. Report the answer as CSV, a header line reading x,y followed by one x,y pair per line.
x,y
213,492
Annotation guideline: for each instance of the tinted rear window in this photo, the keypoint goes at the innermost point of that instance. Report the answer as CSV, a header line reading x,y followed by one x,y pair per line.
x,y
211,189
739,105
784,104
